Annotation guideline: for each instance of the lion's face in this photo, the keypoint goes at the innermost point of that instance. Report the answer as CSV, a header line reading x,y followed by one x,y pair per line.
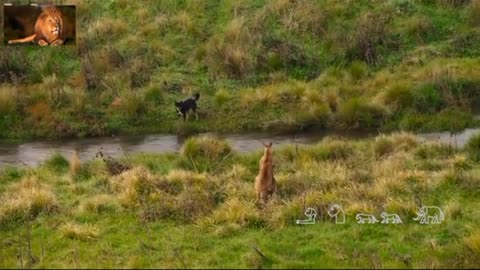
x,y
50,24
53,25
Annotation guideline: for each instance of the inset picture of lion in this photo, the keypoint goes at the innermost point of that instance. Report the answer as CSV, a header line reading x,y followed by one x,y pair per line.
x,y
45,25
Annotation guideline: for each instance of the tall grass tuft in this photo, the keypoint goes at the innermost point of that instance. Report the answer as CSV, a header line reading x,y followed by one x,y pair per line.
x,y
472,242
221,97
473,147
8,99
475,12
57,163
26,200
233,211
357,112
77,231
75,164
98,204
204,153
229,54
184,22
358,70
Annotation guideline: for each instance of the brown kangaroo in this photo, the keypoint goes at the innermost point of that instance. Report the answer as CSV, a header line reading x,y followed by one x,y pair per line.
x,y
265,183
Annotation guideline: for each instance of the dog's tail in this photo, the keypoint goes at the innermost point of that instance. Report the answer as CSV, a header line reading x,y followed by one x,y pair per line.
x,y
196,96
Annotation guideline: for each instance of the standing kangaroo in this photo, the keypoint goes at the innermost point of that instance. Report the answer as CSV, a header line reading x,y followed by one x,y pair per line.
x,y
265,183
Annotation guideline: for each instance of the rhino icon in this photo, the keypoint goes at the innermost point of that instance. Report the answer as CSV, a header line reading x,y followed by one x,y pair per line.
x,y
430,215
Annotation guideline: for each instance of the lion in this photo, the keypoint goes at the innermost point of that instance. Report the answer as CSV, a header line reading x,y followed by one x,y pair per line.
x,y
48,28
265,184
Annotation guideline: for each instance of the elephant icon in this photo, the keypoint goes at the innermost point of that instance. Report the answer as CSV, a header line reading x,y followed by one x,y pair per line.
x,y
311,214
430,215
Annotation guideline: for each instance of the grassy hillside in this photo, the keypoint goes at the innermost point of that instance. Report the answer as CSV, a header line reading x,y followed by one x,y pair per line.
x,y
275,65
191,210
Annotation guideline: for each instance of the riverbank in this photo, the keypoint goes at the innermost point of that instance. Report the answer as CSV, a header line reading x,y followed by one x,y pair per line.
x,y
387,66
196,208
34,153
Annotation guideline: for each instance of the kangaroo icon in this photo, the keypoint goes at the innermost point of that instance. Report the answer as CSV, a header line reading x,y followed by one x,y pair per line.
x,y
311,214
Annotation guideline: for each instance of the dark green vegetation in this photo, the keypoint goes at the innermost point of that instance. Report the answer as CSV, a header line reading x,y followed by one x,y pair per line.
x,y
192,211
276,65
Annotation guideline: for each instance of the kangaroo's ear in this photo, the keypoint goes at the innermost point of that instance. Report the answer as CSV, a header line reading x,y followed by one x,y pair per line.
x,y
270,144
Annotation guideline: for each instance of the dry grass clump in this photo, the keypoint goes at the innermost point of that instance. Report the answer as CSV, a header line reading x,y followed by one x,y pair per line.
x,y
75,164
475,12
306,17
133,185
104,27
472,242
82,232
233,211
181,195
230,54
8,99
205,147
183,21
26,199
101,203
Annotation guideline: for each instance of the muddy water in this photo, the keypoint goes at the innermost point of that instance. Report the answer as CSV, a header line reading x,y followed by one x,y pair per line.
x,y
34,153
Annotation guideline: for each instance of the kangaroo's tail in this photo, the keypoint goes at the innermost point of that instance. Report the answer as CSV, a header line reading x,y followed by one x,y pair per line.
x,y
23,40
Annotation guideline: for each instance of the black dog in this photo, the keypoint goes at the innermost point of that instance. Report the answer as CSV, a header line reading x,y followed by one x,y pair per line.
x,y
189,104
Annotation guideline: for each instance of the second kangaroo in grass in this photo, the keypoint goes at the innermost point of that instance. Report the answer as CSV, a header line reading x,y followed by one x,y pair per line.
x,y
265,184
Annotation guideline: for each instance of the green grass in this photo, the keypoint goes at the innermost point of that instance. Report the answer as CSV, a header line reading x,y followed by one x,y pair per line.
x,y
404,58
161,214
